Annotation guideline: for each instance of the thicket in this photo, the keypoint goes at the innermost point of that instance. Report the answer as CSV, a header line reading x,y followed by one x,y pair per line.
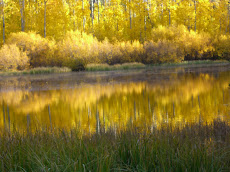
x,y
77,49
39,50
12,58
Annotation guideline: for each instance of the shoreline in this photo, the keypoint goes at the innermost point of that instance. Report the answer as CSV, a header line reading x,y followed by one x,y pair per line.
x,y
133,66
118,67
70,80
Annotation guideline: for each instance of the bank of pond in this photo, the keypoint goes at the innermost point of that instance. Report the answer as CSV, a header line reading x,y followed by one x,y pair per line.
x,y
93,67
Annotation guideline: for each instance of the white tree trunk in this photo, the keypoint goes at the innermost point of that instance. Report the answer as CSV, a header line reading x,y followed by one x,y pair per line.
x,y
195,15
130,15
22,9
3,22
45,1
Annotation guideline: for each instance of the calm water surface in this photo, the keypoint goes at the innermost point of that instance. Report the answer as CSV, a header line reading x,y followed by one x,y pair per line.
x,y
93,102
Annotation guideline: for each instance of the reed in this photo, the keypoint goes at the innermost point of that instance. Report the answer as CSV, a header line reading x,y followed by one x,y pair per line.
x,y
194,147
38,70
129,66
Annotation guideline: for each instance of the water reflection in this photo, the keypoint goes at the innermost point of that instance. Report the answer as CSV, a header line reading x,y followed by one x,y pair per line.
x,y
144,105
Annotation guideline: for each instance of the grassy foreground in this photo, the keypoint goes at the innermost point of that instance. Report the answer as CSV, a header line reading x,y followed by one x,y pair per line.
x,y
193,148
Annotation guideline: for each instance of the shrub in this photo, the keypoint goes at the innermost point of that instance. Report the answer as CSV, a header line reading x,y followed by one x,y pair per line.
x,y
12,58
130,52
162,51
39,50
77,49
120,52
107,52
222,47
195,45
172,33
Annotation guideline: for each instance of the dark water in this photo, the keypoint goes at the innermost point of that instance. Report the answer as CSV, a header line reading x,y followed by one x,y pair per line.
x,y
93,102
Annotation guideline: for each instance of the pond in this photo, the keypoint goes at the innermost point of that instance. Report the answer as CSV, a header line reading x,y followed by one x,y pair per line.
x,y
115,101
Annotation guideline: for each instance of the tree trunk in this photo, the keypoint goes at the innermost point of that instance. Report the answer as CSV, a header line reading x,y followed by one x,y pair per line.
x,y
130,16
74,23
229,16
169,17
3,22
22,10
98,13
45,1
195,15
169,14
220,26
92,12
83,15
145,18
4,27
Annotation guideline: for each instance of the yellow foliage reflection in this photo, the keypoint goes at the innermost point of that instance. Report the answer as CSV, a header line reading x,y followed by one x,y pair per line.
x,y
144,105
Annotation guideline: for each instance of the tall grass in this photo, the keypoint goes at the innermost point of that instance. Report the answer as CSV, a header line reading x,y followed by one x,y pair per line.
x,y
38,70
44,70
192,148
134,65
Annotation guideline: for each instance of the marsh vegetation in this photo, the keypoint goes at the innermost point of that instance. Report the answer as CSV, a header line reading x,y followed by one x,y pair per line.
x,y
194,147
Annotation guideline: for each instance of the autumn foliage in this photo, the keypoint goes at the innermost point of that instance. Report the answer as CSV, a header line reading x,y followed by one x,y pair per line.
x,y
74,33
11,58
77,49
39,50
222,47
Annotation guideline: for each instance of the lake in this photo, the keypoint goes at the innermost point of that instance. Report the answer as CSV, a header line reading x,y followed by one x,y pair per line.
x,y
97,102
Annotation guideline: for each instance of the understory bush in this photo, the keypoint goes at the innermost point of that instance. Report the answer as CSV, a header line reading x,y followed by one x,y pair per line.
x,y
11,58
222,47
39,50
162,51
77,49
197,46
190,44
120,52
